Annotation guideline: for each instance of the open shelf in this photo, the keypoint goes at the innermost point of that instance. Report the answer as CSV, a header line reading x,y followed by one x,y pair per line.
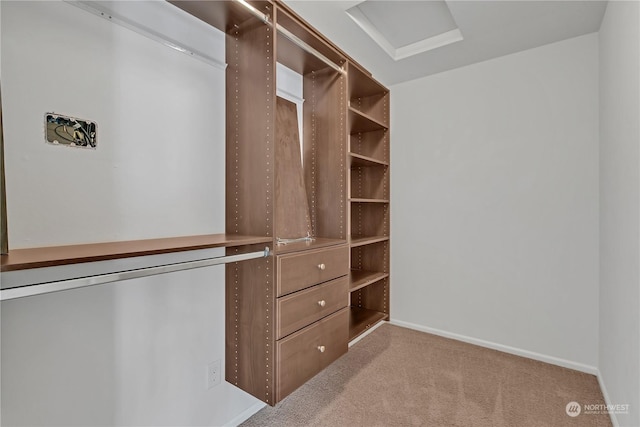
x,y
361,241
361,122
361,319
362,85
316,243
21,259
369,183
368,97
369,218
358,200
369,148
224,15
359,279
359,160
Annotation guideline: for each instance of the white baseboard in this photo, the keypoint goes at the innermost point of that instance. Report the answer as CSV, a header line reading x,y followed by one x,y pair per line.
x,y
607,400
500,347
244,416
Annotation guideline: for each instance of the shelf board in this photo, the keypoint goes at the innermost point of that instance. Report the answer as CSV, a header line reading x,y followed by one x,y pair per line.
x,y
362,85
361,241
361,122
361,319
364,161
224,15
317,242
22,259
359,279
359,200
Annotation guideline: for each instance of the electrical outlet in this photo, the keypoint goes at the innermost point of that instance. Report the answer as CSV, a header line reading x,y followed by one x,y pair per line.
x,y
213,374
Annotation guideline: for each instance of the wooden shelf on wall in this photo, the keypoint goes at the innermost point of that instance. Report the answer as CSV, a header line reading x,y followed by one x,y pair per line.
x,y
21,259
316,243
359,279
361,319
360,200
223,15
358,160
360,241
361,122
362,85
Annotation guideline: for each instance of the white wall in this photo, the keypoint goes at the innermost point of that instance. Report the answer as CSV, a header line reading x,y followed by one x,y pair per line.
x,y
620,207
129,353
160,117
495,202
133,352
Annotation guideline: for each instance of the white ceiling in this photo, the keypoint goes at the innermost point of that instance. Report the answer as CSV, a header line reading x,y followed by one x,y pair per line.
x,y
404,40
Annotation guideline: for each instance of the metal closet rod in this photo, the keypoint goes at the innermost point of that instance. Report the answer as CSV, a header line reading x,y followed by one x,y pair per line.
x,y
288,34
255,12
292,37
82,282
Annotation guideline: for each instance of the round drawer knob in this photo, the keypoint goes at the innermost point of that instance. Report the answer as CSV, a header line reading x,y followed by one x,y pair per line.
x,y
321,348
322,303
322,266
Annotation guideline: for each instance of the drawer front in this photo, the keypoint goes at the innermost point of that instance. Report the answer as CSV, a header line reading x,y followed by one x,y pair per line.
x,y
295,311
305,269
307,352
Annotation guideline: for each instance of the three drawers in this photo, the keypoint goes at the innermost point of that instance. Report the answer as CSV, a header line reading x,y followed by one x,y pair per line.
x,y
307,352
312,321
305,269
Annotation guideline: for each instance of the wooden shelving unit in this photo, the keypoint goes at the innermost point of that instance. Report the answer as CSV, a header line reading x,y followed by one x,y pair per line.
x,y
346,180
369,226
263,188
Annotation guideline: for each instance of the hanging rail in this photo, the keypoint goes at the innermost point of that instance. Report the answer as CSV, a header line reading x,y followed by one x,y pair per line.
x,y
292,37
81,282
255,12
308,48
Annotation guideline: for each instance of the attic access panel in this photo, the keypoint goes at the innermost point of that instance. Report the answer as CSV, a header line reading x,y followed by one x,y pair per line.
x,y
406,28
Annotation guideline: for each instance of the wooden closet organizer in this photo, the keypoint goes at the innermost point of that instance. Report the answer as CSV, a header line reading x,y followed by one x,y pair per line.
x,y
290,315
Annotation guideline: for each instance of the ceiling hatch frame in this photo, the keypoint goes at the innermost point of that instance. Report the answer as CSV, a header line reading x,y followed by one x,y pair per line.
x,y
408,50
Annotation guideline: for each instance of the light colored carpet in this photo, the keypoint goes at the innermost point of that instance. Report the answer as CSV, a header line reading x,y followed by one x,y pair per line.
x,y
400,377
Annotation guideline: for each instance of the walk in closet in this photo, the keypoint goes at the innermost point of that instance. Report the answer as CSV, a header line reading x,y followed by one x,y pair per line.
x,y
319,198
316,193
